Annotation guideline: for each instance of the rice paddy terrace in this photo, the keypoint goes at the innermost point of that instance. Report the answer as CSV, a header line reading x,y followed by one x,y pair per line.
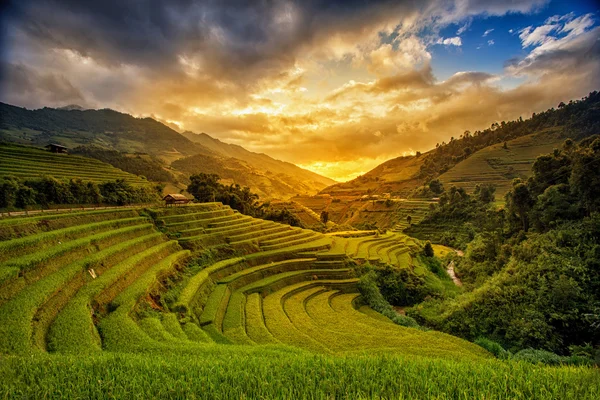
x,y
499,166
96,288
30,162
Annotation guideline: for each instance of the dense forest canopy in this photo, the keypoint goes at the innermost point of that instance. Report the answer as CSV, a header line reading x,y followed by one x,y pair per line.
x,y
532,268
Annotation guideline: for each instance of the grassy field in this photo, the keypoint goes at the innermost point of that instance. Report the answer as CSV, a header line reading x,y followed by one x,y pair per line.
x,y
269,372
498,166
116,304
31,162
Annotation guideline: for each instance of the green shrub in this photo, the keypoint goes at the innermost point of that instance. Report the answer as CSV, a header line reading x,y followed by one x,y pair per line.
x,y
493,347
535,356
373,297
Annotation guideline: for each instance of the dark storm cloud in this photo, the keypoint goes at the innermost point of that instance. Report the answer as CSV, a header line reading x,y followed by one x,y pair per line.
x,y
233,35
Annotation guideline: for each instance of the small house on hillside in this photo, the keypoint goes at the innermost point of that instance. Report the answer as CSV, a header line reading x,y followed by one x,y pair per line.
x,y
175,199
56,148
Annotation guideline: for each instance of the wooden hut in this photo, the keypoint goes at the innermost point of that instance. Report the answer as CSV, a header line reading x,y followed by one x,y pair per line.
x,y
56,148
175,199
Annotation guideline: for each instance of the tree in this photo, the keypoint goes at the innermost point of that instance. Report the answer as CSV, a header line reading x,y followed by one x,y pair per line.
x,y
324,216
519,202
204,187
428,249
436,186
585,179
485,193
8,191
408,219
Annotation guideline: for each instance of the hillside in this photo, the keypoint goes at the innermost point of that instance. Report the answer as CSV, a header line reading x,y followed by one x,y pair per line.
x,y
398,176
102,133
30,163
117,293
105,128
267,184
499,164
284,285
259,160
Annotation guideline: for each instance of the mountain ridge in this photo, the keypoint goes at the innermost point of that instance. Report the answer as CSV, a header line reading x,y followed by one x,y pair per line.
x,y
114,130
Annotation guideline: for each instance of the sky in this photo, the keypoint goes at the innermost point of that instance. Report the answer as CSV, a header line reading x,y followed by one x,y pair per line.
x,y
336,87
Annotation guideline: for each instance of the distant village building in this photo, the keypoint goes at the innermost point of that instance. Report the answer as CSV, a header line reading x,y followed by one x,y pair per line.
x,y
175,199
56,148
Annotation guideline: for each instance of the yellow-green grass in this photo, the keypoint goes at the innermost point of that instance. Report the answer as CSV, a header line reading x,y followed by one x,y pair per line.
x,y
29,162
223,372
153,327
16,227
234,321
17,313
17,247
118,330
25,270
416,209
195,216
442,251
306,303
255,322
73,329
349,329
195,333
498,166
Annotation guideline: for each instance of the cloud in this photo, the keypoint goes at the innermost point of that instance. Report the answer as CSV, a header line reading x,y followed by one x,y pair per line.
x,y
577,48
338,86
533,36
491,42
487,32
45,88
454,41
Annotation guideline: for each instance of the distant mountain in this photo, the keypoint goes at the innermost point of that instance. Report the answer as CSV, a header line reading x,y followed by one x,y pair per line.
x,y
71,107
104,128
260,161
398,176
111,130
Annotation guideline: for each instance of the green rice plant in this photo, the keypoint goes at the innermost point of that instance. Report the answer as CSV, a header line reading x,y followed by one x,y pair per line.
x,y
38,265
153,327
251,232
234,319
312,238
255,324
16,227
334,312
197,215
102,300
215,307
252,274
195,333
228,372
172,325
16,315
118,330
73,330
193,288
279,324
17,247
277,282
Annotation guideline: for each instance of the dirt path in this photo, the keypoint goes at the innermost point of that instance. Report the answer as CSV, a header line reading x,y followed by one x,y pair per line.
x,y
450,270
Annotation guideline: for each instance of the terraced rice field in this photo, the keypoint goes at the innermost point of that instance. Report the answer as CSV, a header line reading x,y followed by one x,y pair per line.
x,y
82,315
416,209
78,282
498,166
30,162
